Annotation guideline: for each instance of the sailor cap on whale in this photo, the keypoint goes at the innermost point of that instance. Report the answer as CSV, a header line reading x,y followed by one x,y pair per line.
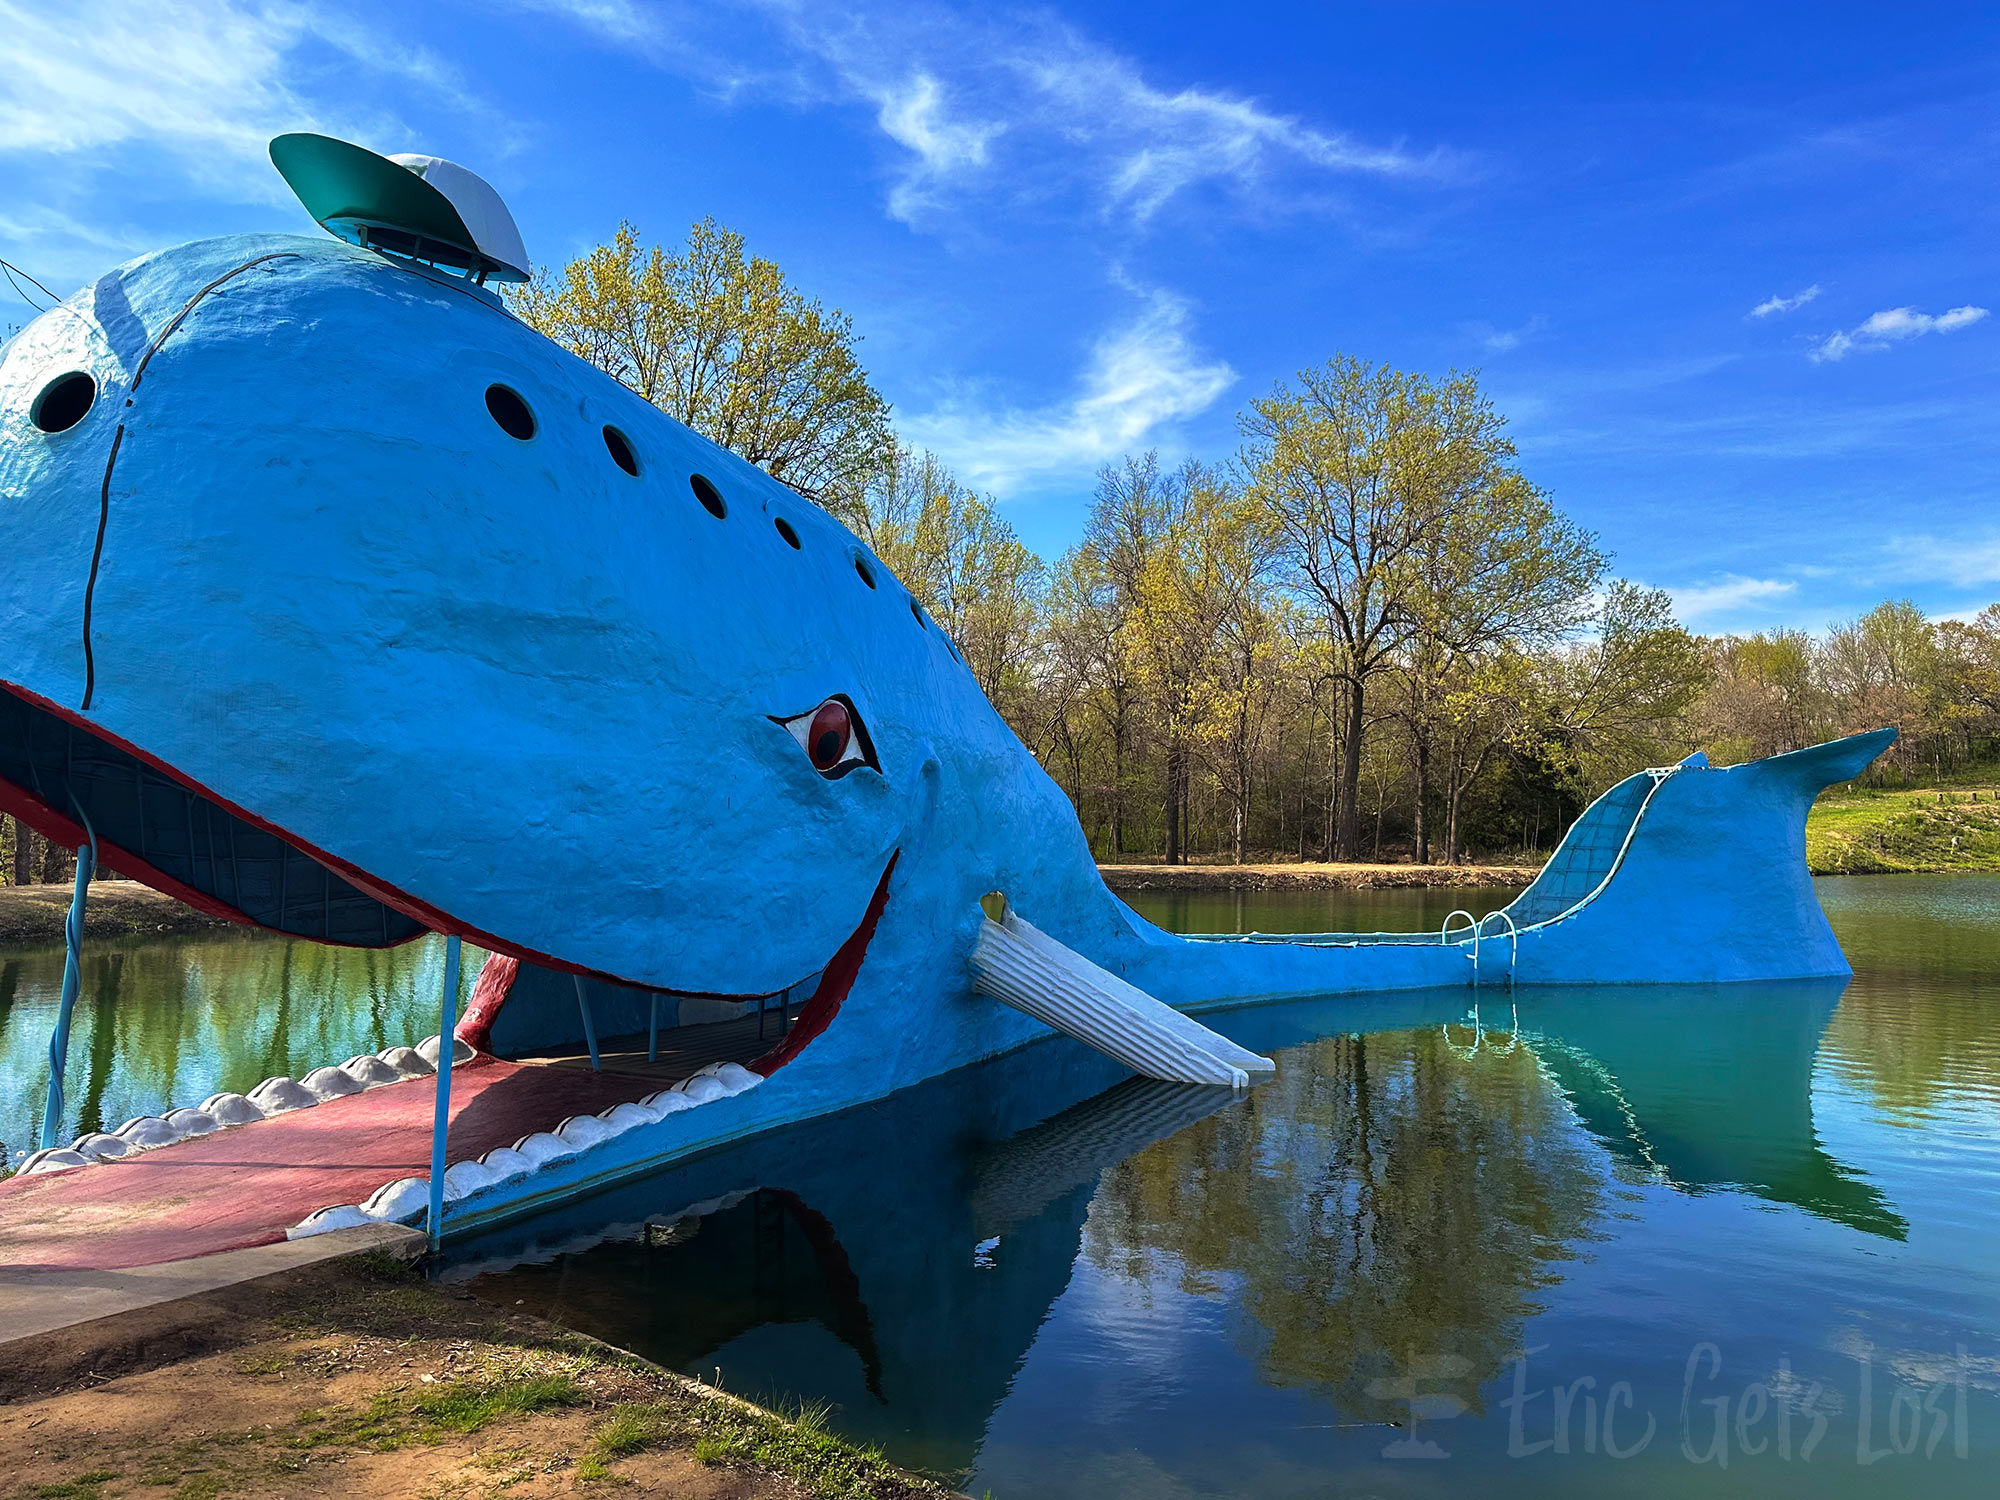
x,y
423,207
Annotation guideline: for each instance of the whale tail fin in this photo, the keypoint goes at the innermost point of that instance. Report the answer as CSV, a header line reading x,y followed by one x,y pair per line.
x,y
1691,873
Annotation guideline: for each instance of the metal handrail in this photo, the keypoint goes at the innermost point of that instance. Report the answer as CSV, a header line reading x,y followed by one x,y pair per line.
x,y
1513,941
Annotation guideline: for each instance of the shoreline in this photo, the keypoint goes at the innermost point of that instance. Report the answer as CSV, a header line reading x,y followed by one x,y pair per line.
x,y
1309,877
31,915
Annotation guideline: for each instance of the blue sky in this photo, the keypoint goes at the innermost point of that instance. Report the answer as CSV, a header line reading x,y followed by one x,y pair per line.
x,y
1725,268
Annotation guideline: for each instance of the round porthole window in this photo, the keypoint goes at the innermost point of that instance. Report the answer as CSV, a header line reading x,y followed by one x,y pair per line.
x,y
785,530
511,412
709,496
63,402
861,567
620,449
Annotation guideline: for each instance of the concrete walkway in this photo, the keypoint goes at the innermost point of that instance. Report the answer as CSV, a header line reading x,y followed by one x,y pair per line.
x,y
34,1302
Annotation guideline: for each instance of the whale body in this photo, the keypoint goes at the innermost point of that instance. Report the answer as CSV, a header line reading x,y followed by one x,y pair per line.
x,y
314,635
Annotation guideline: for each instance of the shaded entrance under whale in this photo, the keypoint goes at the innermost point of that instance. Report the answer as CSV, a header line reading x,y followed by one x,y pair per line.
x,y
156,828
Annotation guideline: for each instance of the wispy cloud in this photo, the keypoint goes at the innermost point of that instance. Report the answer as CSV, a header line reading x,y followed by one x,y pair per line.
x,y
1893,325
1143,376
205,84
1011,104
181,98
1506,340
1966,561
1727,595
1771,306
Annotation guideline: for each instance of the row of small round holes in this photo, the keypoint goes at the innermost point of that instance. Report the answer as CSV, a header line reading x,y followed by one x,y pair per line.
x,y
515,419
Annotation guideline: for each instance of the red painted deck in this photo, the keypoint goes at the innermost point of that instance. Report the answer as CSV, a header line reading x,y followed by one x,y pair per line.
x,y
248,1185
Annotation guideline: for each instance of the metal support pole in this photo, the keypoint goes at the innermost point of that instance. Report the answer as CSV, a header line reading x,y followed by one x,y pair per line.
x,y
653,1033
589,1030
52,1112
441,1114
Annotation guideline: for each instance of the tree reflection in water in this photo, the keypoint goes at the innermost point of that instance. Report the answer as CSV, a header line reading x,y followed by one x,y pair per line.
x,y
1389,1201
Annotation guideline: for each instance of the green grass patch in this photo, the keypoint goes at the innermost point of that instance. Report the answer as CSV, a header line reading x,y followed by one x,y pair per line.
x,y
467,1406
1865,832
796,1445
83,1487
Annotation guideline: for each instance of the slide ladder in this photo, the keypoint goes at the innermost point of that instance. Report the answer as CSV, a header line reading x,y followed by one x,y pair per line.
x,y
1019,965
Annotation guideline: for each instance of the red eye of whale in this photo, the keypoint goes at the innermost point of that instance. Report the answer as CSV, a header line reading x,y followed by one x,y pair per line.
x,y
829,734
833,737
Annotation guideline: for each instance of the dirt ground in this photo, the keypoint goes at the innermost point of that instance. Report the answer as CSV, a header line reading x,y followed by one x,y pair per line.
x,y
358,1378
32,914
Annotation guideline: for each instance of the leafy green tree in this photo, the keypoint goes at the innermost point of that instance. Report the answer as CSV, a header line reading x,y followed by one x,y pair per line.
x,y
1613,703
1364,471
722,342
963,562
1507,575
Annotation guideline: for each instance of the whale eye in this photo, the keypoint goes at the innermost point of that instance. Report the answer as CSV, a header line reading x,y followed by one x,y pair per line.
x,y
832,737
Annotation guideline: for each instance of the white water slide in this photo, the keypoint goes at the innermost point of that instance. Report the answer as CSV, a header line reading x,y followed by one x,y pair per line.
x,y
1019,965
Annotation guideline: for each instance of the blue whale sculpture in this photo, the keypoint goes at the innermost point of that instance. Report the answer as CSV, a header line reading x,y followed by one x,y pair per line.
x,y
338,601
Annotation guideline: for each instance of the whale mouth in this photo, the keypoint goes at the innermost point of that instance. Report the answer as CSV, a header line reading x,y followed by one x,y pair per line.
x,y
75,783
536,1012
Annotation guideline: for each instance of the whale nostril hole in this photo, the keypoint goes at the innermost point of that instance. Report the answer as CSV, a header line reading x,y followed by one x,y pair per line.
x,y
511,412
620,448
785,530
709,496
63,402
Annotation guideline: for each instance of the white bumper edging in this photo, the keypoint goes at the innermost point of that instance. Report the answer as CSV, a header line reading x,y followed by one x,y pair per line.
x,y
274,1096
408,1198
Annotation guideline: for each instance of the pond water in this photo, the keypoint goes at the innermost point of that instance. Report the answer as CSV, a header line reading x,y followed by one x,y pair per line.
x,y
166,1021
1641,1241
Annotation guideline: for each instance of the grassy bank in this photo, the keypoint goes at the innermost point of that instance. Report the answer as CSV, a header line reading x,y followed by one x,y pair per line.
x,y
359,1378
34,914
1857,831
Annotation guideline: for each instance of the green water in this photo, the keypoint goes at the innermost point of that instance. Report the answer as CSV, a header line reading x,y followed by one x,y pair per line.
x,y
162,1022
1642,1241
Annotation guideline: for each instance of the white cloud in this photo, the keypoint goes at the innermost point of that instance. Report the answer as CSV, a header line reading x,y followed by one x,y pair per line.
x,y
949,86
1773,305
1506,340
1141,377
1893,326
916,117
1965,561
207,84
1727,594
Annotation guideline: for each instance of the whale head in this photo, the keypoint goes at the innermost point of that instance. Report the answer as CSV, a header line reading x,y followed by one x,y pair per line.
x,y
338,599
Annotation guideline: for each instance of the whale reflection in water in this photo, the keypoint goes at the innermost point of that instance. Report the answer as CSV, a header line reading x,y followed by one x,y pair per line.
x,y
908,1298
1707,1087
